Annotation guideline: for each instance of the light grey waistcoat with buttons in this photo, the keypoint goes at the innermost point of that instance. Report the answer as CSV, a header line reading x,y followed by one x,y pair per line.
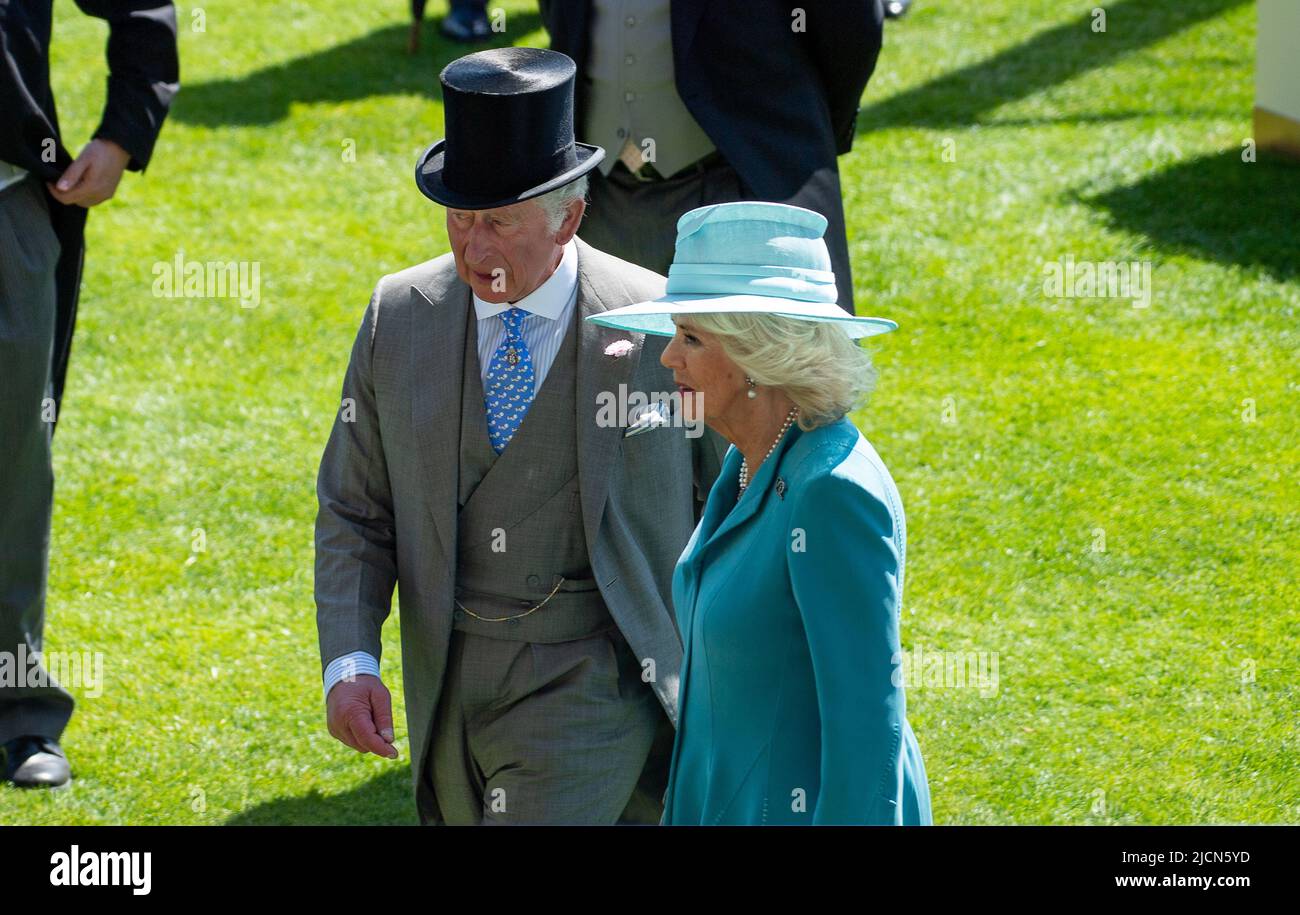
x,y
637,61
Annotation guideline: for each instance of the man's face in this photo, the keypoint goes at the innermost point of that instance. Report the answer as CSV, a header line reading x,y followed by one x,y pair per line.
x,y
507,252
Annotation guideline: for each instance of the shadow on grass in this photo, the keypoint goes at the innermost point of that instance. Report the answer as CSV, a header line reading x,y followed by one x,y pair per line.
x,y
385,800
374,64
959,98
1217,207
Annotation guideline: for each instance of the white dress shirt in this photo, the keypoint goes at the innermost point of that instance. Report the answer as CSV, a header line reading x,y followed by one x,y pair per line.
x,y
550,314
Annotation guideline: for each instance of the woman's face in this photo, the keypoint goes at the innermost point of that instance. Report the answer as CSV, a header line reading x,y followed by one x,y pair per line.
x,y
709,382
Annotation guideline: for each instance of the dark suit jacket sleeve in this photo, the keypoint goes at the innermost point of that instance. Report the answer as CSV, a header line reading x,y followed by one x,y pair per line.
x,y
143,72
356,558
843,40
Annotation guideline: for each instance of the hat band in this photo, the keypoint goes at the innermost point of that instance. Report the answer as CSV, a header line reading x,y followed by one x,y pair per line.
x,y
801,283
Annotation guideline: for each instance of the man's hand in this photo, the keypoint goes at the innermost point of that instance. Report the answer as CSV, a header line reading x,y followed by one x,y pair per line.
x,y
360,714
92,178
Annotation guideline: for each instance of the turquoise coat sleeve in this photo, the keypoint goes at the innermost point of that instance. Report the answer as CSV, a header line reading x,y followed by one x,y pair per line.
x,y
846,581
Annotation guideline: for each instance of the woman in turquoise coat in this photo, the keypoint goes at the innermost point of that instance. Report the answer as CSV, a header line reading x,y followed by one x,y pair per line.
x,y
788,595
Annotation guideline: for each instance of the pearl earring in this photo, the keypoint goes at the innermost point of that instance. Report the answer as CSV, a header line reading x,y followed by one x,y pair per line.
x,y
752,393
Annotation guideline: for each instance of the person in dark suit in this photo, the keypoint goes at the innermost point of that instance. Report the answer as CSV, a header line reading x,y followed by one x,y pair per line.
x,y
44,195
713,101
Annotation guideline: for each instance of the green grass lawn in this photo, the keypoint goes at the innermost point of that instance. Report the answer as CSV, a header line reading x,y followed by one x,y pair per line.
x,y
1152,681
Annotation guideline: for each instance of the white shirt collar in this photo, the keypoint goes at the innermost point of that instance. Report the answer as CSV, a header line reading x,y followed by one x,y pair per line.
x,y
548,299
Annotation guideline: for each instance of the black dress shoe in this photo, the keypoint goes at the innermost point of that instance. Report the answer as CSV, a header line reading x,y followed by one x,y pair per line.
x,y
35,762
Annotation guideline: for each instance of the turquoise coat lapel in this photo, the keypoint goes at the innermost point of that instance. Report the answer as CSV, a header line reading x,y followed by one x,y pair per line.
x,y
723,516
761,488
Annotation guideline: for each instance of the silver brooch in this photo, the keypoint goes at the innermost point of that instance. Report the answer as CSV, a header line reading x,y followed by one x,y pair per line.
x,y
780,487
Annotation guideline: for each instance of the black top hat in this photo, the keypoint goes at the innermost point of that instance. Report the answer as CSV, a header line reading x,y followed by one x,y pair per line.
x,y
509,122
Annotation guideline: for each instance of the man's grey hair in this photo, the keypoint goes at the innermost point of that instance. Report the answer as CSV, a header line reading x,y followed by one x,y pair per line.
x,y
555,203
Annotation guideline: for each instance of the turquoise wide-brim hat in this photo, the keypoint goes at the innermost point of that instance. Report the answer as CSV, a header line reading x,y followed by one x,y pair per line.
x,y
747,257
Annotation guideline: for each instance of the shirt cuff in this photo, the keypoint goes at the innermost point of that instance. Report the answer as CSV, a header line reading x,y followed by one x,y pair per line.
x,y
348,667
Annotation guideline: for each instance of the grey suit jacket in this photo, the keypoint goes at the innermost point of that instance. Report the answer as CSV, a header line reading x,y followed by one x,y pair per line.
x,y
388,479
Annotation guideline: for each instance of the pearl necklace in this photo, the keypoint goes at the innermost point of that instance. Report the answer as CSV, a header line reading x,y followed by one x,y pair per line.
x,y
744,463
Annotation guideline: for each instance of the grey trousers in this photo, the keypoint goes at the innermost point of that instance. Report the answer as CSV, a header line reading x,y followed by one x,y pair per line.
x,y
28,254
542,733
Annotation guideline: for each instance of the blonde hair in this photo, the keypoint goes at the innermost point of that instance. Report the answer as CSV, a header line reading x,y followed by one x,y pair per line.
x,y
814,363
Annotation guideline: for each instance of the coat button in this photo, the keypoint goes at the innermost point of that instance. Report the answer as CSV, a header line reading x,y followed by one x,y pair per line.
x,y
534,581
460,614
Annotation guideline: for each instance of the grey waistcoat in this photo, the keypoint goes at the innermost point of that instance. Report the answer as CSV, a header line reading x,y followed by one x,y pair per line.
x,y
520,517
631,89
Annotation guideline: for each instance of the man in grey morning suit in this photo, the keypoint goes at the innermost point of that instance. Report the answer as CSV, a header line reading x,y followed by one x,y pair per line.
x,y
533,546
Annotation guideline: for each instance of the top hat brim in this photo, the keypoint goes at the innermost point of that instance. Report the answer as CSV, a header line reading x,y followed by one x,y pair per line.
x,y
429,178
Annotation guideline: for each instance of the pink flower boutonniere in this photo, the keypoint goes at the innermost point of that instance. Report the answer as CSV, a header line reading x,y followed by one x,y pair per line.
x,y
619,348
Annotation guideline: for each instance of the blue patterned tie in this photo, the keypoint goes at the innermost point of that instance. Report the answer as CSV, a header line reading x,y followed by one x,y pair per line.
x,y
509,389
